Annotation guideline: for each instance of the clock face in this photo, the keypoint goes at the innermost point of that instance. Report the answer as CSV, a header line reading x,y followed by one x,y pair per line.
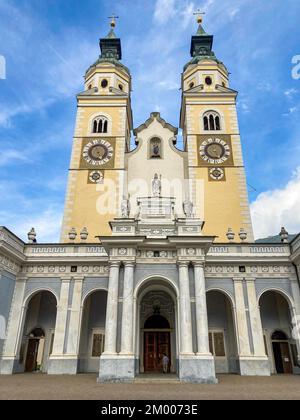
x,y
96,177
214,151
98,152
217,174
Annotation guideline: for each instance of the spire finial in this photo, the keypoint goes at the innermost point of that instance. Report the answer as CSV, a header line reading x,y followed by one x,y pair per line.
x,y
199,16
113,20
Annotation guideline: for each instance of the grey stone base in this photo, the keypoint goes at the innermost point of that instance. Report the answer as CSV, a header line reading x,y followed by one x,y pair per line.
x,y
197,370
254,367
115,369
62,366
10,366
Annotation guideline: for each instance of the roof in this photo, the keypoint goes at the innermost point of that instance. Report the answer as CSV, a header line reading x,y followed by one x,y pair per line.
x,y
155,116
274,239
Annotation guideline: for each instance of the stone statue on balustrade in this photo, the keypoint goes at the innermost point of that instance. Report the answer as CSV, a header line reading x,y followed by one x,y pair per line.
x,y
188,209
125,207
156,186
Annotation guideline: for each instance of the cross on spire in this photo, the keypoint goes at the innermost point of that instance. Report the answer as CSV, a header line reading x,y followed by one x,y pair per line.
x,y
199,15
113,20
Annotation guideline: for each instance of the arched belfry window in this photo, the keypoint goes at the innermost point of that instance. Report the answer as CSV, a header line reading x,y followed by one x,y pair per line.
x,y
100,125
211,121
155,148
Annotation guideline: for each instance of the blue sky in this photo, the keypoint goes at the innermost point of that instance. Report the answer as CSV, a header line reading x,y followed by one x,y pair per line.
x,y
48,45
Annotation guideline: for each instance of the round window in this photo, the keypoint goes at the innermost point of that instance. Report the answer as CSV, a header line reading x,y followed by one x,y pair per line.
x,y
104,83
208,81
121,87
191,85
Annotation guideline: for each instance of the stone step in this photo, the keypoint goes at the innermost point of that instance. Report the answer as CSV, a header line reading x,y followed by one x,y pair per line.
x,y
152,378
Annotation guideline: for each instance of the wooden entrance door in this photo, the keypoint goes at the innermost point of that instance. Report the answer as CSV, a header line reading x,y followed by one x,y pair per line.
x,y
282,358
156,343
32,351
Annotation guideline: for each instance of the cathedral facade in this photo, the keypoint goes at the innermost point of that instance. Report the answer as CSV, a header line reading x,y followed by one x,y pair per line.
x,y
157,255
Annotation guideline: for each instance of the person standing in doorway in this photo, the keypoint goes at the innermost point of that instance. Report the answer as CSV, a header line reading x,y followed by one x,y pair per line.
x,y
166,362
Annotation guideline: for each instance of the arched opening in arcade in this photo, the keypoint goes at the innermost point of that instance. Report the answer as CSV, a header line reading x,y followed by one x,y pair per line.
x,y
222,332
281,347
38,332
92,337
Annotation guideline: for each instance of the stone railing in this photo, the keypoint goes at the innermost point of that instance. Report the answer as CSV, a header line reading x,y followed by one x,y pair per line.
x,y
250,250
64,250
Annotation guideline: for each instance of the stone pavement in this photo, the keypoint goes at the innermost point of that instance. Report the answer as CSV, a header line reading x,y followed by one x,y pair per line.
x,y
39,386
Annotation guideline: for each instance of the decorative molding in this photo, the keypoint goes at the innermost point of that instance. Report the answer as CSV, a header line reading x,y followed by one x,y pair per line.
x,y
7,264
10,239
57,269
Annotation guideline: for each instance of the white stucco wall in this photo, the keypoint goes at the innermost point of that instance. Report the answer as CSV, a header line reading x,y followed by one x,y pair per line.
x,y
141,169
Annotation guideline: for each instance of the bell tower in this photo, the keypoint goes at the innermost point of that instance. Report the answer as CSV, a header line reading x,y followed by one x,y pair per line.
x,y
212,139
101,139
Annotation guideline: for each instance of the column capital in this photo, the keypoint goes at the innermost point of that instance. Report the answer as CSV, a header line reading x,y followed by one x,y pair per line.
x,y
113,263
250,279
78,278
66,279
21,279
183,263
238,279
198,264
129,263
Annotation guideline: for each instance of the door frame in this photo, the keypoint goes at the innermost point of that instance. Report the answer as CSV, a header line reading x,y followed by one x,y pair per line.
x,y
156,331
37,340
273,356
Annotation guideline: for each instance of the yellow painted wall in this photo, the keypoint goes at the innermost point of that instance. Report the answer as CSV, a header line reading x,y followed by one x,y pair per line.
x,y
222,204
83,205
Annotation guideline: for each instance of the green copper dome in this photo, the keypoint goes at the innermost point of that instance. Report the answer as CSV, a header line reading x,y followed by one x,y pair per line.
x,y
111,51
201,48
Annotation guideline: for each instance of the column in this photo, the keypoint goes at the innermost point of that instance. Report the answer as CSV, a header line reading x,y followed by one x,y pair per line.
x,y
112,309
241,319
127,316
74,323
201,310
16,320
255,320
61,318
185,316
295,314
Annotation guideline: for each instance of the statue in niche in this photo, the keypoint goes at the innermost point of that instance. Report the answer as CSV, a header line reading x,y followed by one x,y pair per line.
x,y
188,208
125,207
156,186
156,150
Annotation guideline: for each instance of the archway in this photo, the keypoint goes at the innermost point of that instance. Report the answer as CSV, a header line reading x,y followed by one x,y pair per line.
x,y
38,332
276,322
92,337
157,326
222,332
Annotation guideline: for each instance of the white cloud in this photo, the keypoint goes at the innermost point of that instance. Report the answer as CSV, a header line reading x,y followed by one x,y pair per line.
x,y
291,111
11,156
42,212
47,222
47,225
276,208
234,12
187,14
290,92
168,85
164,10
